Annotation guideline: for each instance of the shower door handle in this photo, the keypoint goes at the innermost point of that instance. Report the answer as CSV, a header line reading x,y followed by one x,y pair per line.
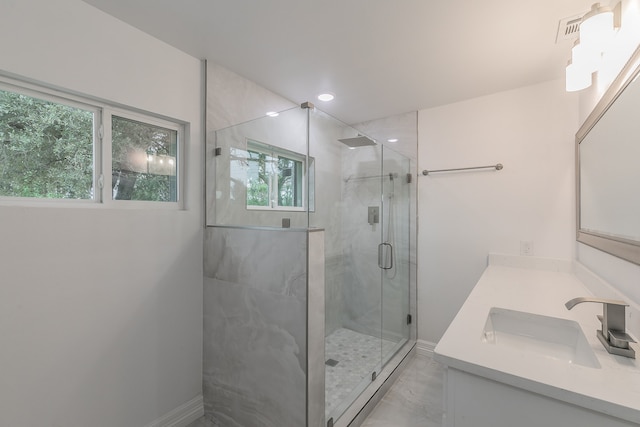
x,y
381,258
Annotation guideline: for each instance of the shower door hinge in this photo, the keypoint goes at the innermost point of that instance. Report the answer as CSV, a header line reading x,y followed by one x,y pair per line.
x,y
409,319
218,151
330,422
409,178
373,376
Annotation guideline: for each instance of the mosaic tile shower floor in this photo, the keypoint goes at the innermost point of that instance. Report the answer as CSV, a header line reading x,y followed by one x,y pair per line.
x,y
358,355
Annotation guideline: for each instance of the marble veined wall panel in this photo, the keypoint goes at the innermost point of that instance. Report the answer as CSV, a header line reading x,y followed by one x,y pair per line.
x,y
334,308
270,260
316,331
361,278
233,99
255,316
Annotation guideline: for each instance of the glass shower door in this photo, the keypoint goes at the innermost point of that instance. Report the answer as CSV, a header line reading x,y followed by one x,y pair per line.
x,y
360,197
347,205
394,253
360,340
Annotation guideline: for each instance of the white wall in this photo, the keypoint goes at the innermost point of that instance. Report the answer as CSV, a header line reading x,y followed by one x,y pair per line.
x,y
466,215
100,309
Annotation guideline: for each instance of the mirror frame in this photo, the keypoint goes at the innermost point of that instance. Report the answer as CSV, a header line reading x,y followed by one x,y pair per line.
x,y
623,248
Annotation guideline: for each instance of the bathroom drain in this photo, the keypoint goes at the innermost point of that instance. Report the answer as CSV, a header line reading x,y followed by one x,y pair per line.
x,y
331,362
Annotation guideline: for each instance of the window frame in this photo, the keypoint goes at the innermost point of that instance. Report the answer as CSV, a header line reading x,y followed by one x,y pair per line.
x,y
277,152
102,145
49,95
107,166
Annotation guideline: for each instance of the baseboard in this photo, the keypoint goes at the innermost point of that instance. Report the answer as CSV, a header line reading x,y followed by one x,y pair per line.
x,y
425,348
183,415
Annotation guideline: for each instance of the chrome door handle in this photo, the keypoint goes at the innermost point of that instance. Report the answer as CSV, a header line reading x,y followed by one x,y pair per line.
x,y
381,262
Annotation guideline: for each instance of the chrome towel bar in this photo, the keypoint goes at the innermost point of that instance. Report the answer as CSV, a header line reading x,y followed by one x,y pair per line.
x,y
496,167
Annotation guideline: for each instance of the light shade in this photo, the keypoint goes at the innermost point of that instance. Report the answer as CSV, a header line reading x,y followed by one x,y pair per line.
x,y
597,34
577,78
597,28
585,58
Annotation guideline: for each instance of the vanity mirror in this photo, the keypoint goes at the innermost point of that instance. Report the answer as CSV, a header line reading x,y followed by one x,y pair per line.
x,y
608,169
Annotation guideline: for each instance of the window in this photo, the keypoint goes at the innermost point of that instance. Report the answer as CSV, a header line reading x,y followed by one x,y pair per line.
x,y
57,147
144,161
46,148
274,177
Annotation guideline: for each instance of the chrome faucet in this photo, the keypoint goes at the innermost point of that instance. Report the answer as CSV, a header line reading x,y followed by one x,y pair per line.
x,y
613,335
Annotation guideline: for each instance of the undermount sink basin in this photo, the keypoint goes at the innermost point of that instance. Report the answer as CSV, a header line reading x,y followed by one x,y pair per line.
x,y
550,337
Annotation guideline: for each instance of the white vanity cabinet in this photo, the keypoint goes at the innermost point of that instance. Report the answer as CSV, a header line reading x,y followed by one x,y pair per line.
x,y
473,401
494,383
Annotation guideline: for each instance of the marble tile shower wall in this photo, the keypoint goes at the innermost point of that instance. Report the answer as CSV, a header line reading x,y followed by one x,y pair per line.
x,y
329,203
255,361
334,302
361,297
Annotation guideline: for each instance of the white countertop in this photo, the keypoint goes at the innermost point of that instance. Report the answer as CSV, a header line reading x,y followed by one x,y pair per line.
x,y
613,389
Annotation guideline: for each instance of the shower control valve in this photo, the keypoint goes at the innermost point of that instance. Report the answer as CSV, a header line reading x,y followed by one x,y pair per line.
x,y
374,215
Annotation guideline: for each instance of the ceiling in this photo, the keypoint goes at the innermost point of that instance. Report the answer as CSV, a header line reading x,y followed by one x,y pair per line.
x,y
379,57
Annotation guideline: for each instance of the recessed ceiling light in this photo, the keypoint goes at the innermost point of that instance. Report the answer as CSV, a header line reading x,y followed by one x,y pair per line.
x,y
326,97
273,114
392,140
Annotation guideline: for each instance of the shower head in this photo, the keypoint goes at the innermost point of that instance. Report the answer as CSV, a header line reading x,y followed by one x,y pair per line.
x,y
357,141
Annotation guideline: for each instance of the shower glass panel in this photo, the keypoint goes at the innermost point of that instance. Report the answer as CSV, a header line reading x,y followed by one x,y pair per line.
x,y
347,206
396,188
261,172
362,200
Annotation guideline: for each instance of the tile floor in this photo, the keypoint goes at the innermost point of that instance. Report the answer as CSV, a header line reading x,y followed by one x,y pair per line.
x,y
414,400
358,355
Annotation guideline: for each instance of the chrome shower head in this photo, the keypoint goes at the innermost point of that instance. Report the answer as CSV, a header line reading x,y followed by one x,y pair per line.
x,y
357,141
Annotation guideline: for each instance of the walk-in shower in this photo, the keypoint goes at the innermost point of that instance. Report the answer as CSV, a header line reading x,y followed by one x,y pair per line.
x,y
309,268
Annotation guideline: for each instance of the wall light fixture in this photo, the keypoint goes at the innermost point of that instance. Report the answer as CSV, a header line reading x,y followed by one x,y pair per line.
x,y
598,28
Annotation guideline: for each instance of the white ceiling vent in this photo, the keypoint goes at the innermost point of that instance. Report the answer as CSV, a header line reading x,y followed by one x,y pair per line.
x,y
569,28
